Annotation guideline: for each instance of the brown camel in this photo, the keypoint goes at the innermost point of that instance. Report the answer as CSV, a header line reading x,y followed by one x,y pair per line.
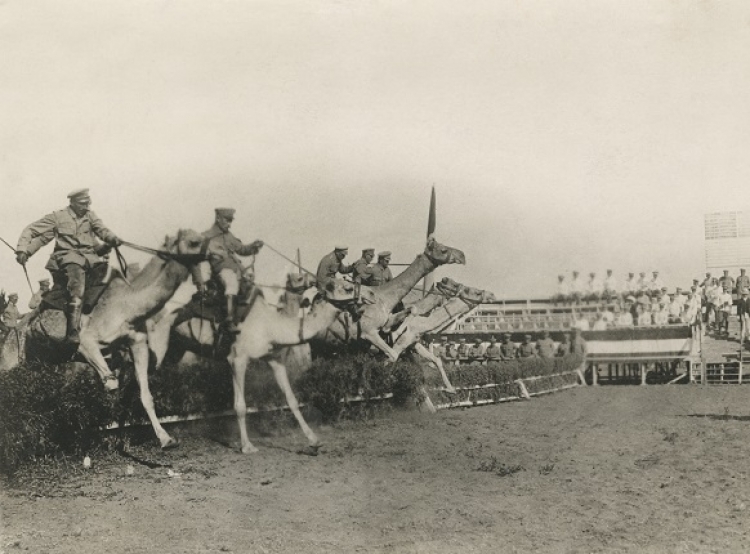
x,y
263,335
378,317
413,327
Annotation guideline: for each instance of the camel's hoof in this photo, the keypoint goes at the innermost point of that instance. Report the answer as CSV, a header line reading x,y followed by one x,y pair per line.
x,y
111,383
310,450
170,444
249,449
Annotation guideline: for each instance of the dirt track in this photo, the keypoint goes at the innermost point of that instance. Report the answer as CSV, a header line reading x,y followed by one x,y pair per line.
x,y
613,469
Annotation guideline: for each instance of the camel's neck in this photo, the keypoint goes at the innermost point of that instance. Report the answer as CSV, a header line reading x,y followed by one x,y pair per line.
x,y
155,285
440,316
393,291
428,303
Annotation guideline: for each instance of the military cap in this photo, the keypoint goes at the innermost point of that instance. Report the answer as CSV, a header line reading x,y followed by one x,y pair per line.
x,y
384,254
493,339
478,340
44,281
592,274
462,340
745,291
631,274
368,251
225,212
340,247
545,333
643,274
527,336
575,272
664,289
655,272
78,194
13,295
507,335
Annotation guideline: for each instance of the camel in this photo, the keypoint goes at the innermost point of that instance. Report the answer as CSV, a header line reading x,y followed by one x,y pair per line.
x,y
414,326
118,317
264,334
378,317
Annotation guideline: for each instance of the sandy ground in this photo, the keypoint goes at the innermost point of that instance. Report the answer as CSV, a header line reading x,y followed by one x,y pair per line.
x,y
607,469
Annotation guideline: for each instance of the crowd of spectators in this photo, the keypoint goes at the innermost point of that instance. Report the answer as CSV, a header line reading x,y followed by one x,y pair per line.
x,y
644,301
460,352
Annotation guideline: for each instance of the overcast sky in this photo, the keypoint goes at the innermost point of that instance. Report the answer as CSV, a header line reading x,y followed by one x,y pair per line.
x,y
586,134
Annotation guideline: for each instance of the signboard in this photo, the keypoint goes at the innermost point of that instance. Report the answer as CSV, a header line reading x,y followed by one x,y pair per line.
x,y
727,241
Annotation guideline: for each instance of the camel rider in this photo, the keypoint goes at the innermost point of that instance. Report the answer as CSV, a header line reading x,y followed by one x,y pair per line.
x,y
223,250
11,315
76,252
36,300
361,270
331,264
380,273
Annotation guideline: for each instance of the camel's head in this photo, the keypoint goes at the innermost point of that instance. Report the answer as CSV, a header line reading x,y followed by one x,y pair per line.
x,y
476,296
299,282
440,254
448,286
347,294
188,247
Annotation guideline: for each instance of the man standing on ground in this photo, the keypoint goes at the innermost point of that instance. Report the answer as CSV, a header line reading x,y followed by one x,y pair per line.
x,y
36,300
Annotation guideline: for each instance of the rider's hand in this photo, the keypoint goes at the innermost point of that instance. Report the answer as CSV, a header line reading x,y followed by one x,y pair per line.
x,y
258,244
114,242
22,257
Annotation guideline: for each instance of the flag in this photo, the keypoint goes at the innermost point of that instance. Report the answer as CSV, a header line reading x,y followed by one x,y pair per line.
x,y
431,217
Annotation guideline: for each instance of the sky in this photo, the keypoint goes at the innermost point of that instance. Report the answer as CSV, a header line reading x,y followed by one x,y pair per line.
x,y
586,134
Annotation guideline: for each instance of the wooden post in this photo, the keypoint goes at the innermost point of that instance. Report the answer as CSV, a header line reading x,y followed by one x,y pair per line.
x,y
594,375
644,369
522,387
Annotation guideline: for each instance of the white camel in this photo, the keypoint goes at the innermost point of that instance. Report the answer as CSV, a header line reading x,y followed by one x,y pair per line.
x,y
414,326
119,317
263,335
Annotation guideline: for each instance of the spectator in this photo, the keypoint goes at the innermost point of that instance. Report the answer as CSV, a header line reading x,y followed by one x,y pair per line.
x,y
656,284
692,309
624,318
661,316
600,324
545,346
451,353
11,315
439,347
508,348
724,309
743,311
713,292
727,282
643,315
607,316
563,349
463,351
526,348
595,288
675,308
476,352
707,281
743,281
610,287
578,345
563,291
643,283
493,353
580,321
577,288
631,285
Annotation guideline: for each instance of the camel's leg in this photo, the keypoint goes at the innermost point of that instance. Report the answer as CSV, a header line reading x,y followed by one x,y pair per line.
x,y
139,349
279,371
158,336
89,348
239,366
425,353
378,341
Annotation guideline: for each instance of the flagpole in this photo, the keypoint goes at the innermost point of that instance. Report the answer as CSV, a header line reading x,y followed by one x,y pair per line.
x,y
431,217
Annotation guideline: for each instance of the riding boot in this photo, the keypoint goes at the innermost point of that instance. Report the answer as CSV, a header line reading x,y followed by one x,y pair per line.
x,y
73,317
231,320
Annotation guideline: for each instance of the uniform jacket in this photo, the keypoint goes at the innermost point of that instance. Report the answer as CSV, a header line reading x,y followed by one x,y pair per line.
x,y
361,271
223,250
546,348
75,238
11,315
508,350
329,266
380,275
493,352
526,350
